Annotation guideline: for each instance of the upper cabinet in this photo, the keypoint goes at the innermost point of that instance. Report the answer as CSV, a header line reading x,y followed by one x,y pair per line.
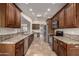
x,y
18,18
69,16
49,26
9,15
61,18
77,15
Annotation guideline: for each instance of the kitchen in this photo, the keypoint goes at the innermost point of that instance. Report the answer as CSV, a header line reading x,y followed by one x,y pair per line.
x,y
55,31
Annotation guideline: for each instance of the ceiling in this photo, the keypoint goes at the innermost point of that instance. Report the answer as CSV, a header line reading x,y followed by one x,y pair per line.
x,y
40,11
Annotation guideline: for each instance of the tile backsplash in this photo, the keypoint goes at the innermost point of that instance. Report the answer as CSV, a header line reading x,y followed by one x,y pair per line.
x,y
4,31
72,31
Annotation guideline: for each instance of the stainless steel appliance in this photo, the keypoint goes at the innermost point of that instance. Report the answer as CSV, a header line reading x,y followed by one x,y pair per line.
x,y
59,33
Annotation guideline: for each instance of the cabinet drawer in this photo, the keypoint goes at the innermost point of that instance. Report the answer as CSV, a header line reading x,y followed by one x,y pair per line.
x,y
62,44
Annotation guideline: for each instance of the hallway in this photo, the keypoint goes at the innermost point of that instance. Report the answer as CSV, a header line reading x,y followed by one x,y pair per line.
x,y
40,48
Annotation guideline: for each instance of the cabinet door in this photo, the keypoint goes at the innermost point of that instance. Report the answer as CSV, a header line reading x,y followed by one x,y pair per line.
x,y
73,50
55,46
49,25
10,13
17,18
69,16
77,13
61,51
2,14
61,19
25,45
19,50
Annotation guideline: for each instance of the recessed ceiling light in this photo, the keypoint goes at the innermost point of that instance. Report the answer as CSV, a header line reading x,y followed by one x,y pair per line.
x,y
48,9
38,15
30,10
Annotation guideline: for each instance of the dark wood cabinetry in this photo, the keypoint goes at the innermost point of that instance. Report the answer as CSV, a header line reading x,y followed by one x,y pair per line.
x,y
9,15
61,18
50,27
69,15
61,48
30,39
25,45
73,50
55,46
19,48
17,18
64,49
12,49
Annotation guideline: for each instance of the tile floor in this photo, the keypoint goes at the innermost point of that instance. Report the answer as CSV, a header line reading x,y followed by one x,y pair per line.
x,y
40,48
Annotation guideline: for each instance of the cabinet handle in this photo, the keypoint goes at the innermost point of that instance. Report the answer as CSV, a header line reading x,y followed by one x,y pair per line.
x,y
76,46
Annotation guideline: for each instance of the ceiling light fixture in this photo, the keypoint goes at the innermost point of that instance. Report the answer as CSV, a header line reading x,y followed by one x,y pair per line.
x,y
38,15
48,9
30,10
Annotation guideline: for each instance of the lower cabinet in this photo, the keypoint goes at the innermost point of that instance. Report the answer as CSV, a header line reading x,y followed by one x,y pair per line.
x,y
12,49
63,49
30,39
73,50
55,46
19,48
25,45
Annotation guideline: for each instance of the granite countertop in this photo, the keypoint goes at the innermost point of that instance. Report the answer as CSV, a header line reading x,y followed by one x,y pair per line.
x,y
15,39
67,40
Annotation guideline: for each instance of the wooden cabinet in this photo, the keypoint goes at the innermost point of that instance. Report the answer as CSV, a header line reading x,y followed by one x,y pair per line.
x,y
61,18
77,15
61,48
9,15
30,39
73,50
19,48
17,18
12,49
69,16
64,49
55,46
2,14
25,45
50,27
